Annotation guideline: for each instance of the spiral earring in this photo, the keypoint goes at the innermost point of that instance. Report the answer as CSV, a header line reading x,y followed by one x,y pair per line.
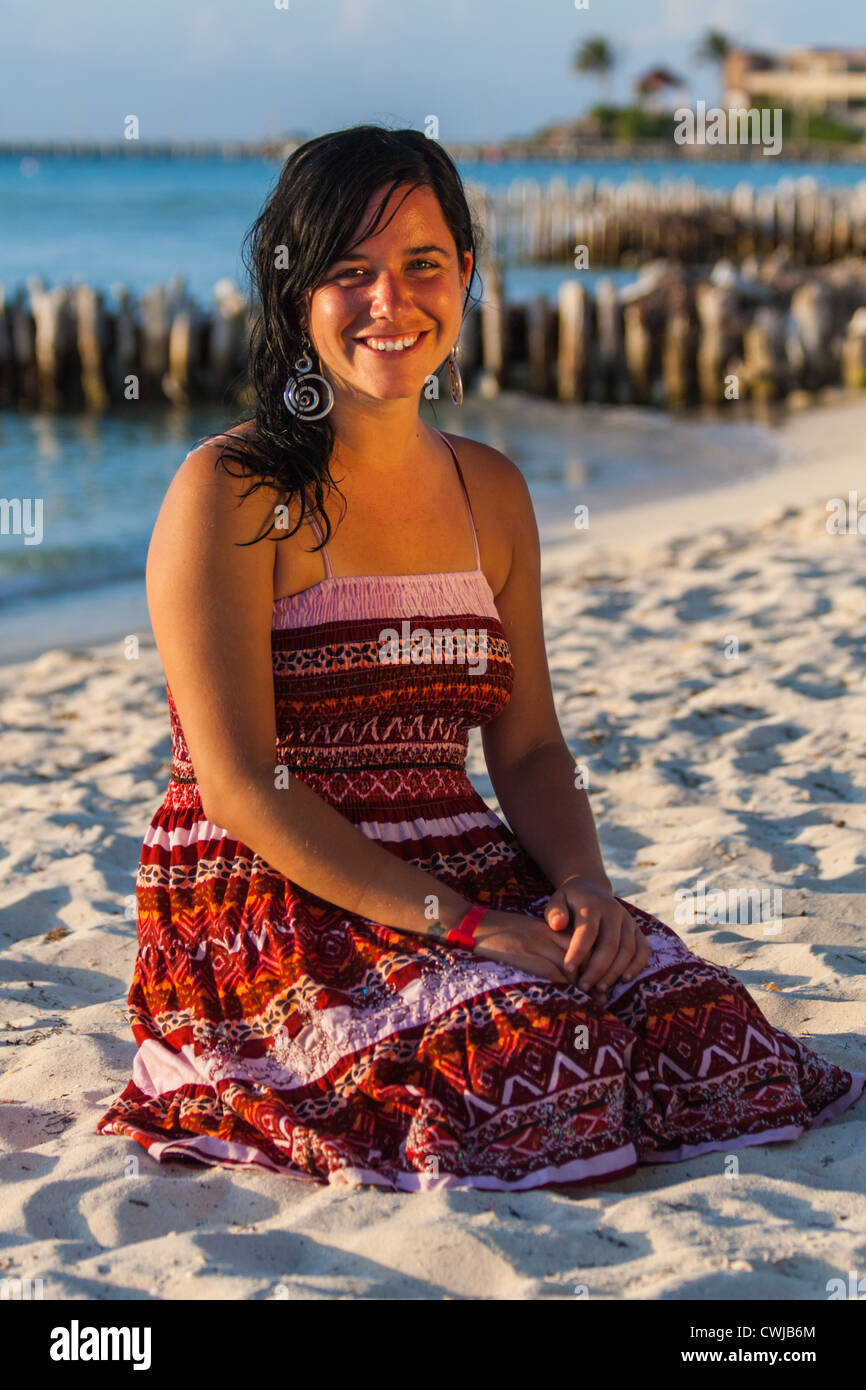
x,y
455,380
305,390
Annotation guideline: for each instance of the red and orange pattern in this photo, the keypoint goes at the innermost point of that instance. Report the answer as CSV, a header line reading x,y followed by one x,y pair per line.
x,y
277,1029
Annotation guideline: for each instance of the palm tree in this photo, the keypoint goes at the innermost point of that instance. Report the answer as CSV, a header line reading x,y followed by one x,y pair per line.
x,y
595,56
713,48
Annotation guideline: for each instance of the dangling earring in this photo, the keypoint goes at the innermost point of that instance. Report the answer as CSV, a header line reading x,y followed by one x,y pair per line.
x,y
305,391
455,380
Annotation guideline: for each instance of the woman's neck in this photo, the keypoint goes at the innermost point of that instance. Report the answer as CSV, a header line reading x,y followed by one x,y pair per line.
x,y
379,440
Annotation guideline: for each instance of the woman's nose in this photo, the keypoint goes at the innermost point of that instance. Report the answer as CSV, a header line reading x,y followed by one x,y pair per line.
x,y
387,296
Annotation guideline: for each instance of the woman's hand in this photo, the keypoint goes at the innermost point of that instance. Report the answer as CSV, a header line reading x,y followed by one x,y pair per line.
x,y
522,941
606,942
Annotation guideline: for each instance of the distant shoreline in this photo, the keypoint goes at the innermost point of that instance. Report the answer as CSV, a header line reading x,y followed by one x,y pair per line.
x,y
567,148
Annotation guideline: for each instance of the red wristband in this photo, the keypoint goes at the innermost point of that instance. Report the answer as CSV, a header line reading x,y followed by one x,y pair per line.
x,y
464,935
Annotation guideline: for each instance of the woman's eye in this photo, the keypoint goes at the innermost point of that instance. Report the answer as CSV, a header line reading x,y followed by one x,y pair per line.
x,y
352,272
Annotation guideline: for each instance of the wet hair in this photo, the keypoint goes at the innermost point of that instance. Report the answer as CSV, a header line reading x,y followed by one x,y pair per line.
x,y
309,221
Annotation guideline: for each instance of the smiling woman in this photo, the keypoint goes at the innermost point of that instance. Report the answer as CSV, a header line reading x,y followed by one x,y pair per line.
x,y
350,969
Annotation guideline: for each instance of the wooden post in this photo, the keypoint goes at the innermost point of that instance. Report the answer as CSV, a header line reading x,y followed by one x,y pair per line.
x,y
638,352
765,210
743,209
807,219
572,346
469,354
854,352
609,357
811,315
90,330
538,334
226,340
678,355
494,346
125,356
7,366
764,355
51,318
718,319
823,251
22,330
154,334
176,381
841,237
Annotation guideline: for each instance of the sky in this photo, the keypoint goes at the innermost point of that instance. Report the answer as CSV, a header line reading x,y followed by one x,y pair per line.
x,y
245,69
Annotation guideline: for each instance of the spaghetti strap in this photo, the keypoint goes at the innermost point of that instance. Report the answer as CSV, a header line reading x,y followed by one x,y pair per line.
x,y
314,523
466,495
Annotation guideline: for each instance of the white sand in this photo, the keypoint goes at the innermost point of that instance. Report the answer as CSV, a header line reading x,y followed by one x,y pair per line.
x,y
745,771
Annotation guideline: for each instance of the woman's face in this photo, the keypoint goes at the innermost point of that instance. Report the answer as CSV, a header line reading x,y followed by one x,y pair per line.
x,y
386,316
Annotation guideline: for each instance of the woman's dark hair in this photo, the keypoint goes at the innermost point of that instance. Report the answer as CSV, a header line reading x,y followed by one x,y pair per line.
x,y
310,220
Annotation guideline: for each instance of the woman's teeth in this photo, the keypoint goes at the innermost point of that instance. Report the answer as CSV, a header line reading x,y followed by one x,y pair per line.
x,y
391,344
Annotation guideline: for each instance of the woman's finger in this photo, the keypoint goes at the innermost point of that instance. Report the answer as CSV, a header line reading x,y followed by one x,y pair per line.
x,y
533,965
557,913
625,957
641,957
587,926
605,952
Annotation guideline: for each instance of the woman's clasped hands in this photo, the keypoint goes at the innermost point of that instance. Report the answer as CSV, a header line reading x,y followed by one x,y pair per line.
x,y
586,938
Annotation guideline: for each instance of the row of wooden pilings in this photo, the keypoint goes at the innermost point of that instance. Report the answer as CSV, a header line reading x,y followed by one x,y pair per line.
x,y
671,338
68,348
623,223
674,338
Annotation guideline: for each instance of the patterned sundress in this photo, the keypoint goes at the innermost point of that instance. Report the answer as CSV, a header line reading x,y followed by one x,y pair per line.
x,y
277,1029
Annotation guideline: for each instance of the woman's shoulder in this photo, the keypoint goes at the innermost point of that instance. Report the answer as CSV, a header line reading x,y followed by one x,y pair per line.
x,y
226,462
238,439
501,506
490,475
224,496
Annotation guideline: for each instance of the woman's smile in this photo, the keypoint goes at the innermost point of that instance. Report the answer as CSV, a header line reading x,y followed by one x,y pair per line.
x,y
392,345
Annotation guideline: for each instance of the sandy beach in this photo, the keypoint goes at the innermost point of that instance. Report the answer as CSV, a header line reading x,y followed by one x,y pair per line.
x,y
708,661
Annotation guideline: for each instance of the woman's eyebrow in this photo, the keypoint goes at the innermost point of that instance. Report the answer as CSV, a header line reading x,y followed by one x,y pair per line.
x,y
407,251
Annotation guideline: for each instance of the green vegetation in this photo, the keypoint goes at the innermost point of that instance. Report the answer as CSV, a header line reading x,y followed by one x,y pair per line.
x,y
632,123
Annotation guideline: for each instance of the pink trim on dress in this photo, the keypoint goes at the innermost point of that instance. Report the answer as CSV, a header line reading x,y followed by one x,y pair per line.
x,y
349,597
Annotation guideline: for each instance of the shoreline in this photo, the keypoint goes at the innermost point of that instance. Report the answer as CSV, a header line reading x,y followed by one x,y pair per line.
x,y
806,475
569,147
108,613
590,453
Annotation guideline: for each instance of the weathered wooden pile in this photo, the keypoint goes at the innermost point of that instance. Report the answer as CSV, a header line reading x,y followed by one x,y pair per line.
x,y
67,348
635,221
676,336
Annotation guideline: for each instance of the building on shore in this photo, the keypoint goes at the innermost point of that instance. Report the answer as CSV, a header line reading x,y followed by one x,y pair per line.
x,y
827,80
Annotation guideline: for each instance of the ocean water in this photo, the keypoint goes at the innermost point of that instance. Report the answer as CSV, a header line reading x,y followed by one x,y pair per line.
x,y
138,221
100,483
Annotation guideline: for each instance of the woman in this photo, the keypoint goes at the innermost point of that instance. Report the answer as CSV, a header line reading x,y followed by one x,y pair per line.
x,y
349,968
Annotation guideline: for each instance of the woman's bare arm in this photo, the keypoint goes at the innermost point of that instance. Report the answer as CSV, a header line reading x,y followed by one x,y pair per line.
x,y
211,607
530,765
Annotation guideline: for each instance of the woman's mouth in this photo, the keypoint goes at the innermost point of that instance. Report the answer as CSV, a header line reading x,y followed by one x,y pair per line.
x,y
393,345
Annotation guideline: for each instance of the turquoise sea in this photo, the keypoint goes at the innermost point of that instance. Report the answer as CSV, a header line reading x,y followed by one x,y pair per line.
x,y
138,221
